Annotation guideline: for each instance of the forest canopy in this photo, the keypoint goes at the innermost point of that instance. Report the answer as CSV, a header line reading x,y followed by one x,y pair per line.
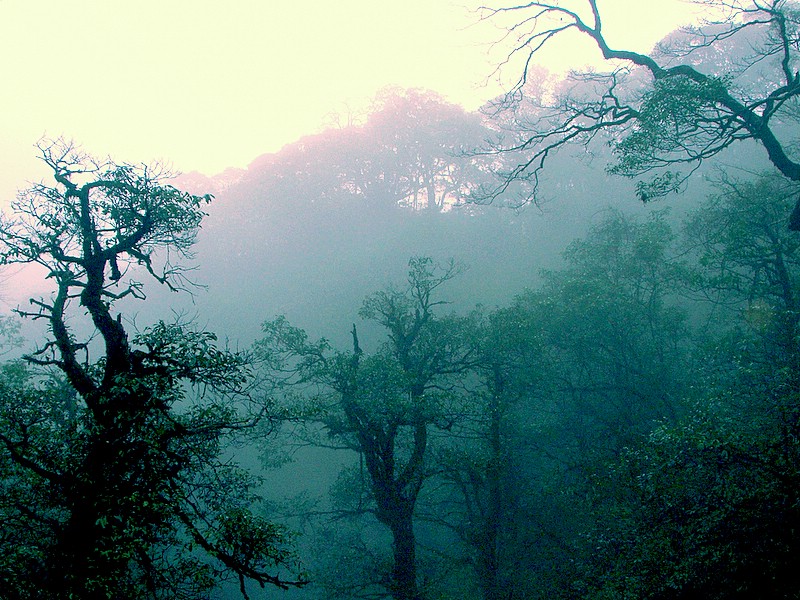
x,y
415,394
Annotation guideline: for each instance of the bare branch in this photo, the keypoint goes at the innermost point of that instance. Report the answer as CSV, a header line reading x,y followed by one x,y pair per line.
x,y
685,114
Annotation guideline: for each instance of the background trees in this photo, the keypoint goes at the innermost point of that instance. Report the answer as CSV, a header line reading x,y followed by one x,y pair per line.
x,y
111,463
481,496
611,363
510,439
745,262
333,215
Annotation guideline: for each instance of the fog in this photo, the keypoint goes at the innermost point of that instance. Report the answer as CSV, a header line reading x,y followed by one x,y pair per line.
x,y
394,363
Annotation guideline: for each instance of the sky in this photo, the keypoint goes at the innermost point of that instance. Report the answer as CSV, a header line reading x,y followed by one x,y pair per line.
x,y
203,85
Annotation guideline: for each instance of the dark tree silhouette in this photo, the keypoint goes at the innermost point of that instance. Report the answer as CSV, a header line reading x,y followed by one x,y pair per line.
x,y
125,495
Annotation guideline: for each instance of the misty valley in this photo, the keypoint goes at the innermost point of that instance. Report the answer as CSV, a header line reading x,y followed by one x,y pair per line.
x,y
547,349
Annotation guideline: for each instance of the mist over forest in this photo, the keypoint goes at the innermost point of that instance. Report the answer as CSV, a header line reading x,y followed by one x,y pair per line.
x,y
546,349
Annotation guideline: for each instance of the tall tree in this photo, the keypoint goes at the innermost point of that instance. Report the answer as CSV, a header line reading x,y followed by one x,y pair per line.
x,y
609,318
615,364
383,405
118,492
678,111
477,458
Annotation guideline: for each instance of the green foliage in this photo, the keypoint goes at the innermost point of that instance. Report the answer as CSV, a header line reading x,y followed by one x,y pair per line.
x,y
706,506
27,506
130,210
116,488
676,112
179,353
712,509
253,541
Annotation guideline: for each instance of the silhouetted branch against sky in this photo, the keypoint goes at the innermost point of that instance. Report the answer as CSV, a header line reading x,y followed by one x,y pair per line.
x,y
214,85
685,109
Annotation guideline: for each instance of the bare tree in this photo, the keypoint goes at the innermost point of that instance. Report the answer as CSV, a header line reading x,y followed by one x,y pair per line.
x,y
679,112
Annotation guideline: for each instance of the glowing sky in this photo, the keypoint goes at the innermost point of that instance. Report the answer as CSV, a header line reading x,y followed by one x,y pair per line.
x,y
209,84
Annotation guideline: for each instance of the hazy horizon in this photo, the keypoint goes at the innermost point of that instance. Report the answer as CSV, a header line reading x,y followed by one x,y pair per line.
x,y
208,86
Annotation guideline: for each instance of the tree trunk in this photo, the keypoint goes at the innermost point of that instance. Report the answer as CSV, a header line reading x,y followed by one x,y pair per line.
x,y
88,559
404,572
489,559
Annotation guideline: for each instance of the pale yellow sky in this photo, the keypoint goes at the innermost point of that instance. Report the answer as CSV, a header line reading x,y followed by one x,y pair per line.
x,y
208,84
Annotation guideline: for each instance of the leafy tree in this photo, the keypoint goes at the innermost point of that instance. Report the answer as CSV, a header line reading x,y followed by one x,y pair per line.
x,y
383,405
109,443
612,364
477,458
677,111
747,264
707,505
